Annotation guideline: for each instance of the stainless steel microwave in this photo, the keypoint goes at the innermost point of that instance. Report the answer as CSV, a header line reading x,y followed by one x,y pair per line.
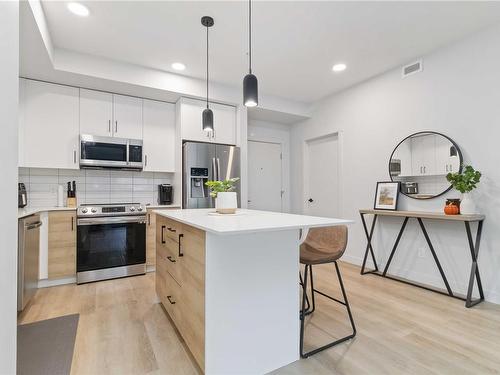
x,y
110,152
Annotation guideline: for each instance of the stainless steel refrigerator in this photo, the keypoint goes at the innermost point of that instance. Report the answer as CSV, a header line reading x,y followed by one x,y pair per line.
x,y
202,162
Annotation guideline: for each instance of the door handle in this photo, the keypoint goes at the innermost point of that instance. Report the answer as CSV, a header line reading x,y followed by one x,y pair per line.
x,y
170,300
170,259
116,126
72,223
162,231
181,254
218,169
171,230
109,126
74,156
214,168
310,200
145,160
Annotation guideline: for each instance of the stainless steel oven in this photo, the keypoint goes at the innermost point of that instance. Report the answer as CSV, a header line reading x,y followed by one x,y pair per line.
x,y
110,152
111,241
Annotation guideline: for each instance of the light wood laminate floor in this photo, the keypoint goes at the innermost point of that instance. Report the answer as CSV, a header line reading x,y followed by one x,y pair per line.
x,y
401,329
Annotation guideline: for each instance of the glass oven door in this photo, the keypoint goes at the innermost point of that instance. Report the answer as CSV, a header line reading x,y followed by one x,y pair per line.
x,y
110,242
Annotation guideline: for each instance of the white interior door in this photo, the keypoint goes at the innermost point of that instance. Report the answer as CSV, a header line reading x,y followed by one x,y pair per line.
x,y
322,185
264,176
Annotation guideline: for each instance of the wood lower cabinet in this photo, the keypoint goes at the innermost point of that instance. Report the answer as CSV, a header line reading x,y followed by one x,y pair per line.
x,y
150,238
180,280
151,235
62,244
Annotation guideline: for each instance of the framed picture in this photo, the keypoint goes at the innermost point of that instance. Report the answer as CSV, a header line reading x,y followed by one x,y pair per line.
x,y
386,196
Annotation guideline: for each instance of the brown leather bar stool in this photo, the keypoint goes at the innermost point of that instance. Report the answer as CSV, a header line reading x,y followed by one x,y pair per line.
x,y
322,245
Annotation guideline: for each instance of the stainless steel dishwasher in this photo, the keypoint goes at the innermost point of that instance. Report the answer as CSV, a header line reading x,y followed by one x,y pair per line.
x,y
28,259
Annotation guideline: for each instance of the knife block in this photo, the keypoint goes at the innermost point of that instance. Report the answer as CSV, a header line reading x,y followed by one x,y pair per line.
x,y
71,202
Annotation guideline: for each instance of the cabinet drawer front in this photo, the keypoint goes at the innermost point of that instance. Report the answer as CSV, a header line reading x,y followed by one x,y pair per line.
x,y
173,230
171,260
167,229
170,295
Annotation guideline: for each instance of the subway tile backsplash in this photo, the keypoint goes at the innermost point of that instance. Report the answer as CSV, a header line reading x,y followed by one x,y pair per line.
x,y
92,186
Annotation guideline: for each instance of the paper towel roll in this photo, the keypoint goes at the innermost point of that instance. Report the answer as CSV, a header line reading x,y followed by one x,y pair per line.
x,y
60,196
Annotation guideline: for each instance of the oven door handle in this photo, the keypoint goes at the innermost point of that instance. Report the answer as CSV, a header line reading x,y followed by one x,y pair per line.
x,y
112,220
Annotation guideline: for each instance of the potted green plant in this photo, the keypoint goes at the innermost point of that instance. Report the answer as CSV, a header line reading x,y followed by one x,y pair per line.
x,y
226,200
465,182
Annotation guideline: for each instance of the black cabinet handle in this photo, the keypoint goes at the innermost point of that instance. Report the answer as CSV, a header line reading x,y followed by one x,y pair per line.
x,y
149,219
72,223
170,259
170,300
181,254
162,231
171,229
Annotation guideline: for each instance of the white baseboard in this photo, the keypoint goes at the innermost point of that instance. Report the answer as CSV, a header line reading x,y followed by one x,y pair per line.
x,y
490,296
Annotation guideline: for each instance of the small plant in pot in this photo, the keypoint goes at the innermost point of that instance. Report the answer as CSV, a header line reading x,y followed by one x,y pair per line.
x,y
225,197
465,182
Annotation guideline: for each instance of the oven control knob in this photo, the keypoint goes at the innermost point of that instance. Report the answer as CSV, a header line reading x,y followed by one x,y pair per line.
x,y
84,210
139,208
93,210
132,209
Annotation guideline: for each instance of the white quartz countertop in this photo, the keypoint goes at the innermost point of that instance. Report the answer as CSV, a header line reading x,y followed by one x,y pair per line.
x,y
27,211
247,221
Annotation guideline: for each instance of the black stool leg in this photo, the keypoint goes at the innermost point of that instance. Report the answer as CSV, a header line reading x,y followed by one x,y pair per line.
x,y
302,312
307,298
345,302
344,295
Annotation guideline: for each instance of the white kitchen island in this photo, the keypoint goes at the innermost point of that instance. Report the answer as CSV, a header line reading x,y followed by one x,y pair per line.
x,y
230,284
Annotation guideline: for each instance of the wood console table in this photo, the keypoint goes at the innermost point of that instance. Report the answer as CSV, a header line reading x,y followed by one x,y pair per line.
x,y
473,246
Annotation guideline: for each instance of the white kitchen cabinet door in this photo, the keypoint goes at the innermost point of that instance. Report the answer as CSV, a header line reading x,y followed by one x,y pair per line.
x,y
423,151
191,122
96,113
49,126
190,111
158,136
224,124
127,117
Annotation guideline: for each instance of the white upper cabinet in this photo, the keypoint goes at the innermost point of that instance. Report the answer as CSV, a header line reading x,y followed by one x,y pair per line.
x,y
224,123
423,155
190,118
127,117
48,126
105,114
96,113
158,136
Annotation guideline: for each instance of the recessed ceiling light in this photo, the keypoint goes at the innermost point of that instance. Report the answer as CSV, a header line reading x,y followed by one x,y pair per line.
x,y
178,66
78,9
339,67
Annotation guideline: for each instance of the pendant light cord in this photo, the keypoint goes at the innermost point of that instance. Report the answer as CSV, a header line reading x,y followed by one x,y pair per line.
x,y
250,35
207,66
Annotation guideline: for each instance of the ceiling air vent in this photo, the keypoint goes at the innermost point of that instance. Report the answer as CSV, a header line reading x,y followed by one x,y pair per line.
x,y
414,67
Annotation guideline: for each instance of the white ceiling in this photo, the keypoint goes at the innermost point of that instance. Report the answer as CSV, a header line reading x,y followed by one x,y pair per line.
x,y
295,43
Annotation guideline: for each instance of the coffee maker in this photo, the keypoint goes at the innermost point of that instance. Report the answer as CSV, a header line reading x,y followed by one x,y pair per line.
x,y
22,195
165,193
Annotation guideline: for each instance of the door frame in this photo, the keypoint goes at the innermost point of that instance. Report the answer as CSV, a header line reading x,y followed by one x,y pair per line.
x,y
281,165
305,162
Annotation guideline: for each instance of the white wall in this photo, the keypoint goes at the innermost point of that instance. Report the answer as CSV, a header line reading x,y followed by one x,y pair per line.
x,y
9,72
265,131
457,94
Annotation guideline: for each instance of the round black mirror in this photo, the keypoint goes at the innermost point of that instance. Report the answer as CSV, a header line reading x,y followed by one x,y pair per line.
x,y
421,161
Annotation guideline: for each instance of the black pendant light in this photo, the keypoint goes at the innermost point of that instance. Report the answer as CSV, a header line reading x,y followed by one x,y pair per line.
x,y
250,84
207,117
